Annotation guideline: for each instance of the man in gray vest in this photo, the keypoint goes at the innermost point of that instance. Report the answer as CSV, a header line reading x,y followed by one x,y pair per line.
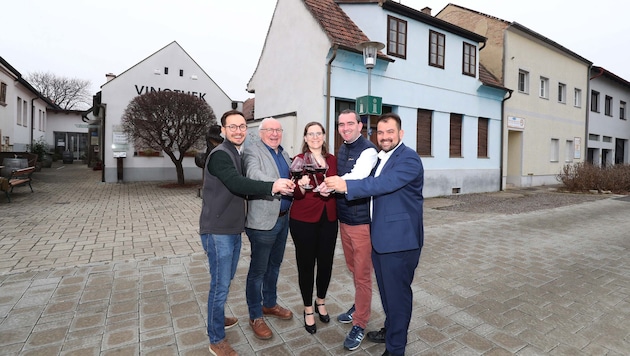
x,y
222,221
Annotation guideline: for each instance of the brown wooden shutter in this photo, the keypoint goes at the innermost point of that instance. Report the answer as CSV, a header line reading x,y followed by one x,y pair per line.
x,y
423,133
455,142
482,138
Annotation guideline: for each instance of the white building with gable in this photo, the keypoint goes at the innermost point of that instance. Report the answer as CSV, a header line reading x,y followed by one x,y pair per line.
x,y
170,68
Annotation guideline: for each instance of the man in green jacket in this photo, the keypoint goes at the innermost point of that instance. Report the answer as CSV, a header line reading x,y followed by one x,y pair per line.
x,y
222,221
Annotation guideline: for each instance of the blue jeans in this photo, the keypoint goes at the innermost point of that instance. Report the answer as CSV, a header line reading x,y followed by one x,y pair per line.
x,y
264,268
223,253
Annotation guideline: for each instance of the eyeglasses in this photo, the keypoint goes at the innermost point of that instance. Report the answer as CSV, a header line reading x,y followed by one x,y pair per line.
x,y
233,128
278,131
314,134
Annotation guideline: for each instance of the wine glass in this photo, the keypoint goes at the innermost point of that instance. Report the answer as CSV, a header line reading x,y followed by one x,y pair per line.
x,y
309,167
297,169
319,169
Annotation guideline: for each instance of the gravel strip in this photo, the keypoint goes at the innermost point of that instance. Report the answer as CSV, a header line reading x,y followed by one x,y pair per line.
x,y
512,201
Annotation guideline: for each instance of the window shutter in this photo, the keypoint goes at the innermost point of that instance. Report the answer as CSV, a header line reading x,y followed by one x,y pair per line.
x,y
423,134
455,142
482,138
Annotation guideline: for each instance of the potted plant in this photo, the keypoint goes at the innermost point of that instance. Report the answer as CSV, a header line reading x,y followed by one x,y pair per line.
x,y
40,148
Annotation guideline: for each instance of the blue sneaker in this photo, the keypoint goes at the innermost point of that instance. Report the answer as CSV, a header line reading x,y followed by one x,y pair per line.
x,y
346,317
354,338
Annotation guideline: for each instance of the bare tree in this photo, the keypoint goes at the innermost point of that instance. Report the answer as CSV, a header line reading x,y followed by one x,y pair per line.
x,y
68,93
170,122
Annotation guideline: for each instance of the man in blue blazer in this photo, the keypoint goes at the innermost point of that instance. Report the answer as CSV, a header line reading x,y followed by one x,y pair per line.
x,y
397,230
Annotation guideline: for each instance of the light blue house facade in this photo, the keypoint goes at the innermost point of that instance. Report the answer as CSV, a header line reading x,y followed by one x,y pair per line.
x,y
449,105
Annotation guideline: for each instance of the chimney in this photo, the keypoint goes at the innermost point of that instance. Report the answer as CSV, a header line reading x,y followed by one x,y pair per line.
x,y
427,10
110,76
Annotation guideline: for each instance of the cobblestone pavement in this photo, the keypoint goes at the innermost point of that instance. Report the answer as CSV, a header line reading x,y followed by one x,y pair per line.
x,y
91,268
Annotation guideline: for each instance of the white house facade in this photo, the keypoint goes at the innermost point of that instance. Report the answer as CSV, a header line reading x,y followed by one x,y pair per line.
x,y
68,132
168,69
608,126
23,111
449,115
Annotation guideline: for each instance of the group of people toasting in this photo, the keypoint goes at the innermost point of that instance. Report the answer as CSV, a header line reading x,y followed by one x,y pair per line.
x,y
372,199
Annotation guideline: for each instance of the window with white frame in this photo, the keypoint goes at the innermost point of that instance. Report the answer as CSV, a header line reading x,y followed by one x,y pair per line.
x,y
470,60
397,37
568,155
562,93
18,114
577,98
544,88
608,105
594,101
523,81
24,114
3,93
437,44
622,110
554,150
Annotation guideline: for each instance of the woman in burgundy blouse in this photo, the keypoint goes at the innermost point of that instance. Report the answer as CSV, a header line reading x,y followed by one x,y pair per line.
x,y
313,226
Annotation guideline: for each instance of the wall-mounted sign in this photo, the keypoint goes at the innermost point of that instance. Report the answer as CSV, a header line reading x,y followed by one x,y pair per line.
x,y
120,138
369,105
516,122
86,126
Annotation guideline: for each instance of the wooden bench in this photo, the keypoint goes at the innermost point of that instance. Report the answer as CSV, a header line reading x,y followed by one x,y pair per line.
x,y
18,177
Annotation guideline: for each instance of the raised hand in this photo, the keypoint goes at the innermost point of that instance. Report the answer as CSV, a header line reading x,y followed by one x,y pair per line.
x,y
283,186
336,183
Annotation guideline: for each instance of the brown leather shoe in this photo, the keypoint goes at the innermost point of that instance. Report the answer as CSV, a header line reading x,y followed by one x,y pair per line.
x,y
222,348
278,312
230,322
260,328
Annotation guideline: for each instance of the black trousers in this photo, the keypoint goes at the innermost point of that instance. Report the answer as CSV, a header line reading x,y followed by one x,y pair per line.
x,y
314,246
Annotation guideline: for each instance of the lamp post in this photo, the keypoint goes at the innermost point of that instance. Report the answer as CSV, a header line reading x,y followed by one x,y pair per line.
x,y
370,50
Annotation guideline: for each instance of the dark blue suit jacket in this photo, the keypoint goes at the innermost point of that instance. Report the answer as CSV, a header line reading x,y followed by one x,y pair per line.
x,y
397,202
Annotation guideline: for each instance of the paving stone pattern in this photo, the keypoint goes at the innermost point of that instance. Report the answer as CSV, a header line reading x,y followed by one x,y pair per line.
x,y
91,268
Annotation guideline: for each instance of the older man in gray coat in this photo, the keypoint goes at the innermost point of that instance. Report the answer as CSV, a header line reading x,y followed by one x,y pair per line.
x,y
267,227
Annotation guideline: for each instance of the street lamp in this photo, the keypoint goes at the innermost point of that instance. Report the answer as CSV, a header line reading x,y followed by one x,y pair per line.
x,y
370,49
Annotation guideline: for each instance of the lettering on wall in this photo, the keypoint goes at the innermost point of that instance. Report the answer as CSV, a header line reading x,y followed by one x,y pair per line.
x,y
147,89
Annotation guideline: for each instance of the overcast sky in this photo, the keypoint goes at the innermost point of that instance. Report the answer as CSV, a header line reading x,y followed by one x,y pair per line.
x,y
86,39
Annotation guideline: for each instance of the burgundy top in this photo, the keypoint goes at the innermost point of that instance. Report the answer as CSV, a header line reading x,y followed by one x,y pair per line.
x,y
308,207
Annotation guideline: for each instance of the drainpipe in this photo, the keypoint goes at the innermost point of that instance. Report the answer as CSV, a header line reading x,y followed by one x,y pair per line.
x,y
328,85
103,108
588,106
503,128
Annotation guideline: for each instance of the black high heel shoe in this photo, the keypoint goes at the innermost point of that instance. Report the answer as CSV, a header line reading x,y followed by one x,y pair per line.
x,y
311,329
325,318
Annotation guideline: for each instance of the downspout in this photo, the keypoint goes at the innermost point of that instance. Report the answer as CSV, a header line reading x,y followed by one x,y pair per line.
x,y
588,106
328,85
102,140
502,137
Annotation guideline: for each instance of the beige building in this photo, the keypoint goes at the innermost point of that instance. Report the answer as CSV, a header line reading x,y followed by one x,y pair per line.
x,y
544,121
